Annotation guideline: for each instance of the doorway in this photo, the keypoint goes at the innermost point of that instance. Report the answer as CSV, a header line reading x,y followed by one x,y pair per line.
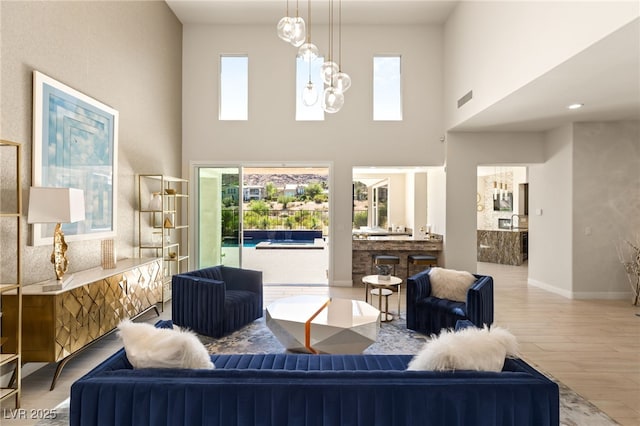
x,y
502,215
272,219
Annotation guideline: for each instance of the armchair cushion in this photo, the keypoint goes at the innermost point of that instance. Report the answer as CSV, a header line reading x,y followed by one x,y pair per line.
x,y
450,284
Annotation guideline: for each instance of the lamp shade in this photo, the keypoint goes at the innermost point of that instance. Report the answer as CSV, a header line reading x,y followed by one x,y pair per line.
x,y
55,205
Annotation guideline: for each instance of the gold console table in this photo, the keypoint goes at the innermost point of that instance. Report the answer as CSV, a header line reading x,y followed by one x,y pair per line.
x,y
57,325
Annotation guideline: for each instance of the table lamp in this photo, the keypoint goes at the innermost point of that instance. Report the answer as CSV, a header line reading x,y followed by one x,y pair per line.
x,y
56,205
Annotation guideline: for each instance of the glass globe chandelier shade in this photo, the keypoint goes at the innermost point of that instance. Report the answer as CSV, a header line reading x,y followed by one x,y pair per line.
x,y
332,100
308,52
309,94
327,71
299,31
285,28
342,81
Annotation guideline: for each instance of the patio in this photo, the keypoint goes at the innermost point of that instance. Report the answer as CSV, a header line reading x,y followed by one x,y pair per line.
x,y
285,266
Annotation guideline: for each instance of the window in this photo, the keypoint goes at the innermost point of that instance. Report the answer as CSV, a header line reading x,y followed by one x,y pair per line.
x,y
234,87
387,99
304,72
370,203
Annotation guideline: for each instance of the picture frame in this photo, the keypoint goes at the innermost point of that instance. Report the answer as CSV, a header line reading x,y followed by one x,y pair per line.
x,y
504,204
75,145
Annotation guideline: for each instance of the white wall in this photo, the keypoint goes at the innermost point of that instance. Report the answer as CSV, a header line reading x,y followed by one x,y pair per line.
x,y
436,199
346,139
497,47
606,205
397,206
419,188
124,54
551,213
465,151
592,176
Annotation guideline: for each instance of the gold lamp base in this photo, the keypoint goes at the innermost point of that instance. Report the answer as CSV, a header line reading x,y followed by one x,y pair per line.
x,y
59,255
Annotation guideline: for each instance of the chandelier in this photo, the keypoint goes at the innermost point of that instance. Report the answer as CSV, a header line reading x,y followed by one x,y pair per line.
x,y
293,30
341,80
308,51
336,80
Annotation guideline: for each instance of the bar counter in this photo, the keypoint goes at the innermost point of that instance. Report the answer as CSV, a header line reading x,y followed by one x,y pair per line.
x,y
362,251
504,246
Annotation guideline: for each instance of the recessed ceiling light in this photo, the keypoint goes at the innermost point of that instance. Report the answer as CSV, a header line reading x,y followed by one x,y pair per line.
x,y
575,106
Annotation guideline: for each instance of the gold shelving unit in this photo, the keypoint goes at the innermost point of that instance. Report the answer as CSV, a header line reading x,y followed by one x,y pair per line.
x,y
11,328
163,229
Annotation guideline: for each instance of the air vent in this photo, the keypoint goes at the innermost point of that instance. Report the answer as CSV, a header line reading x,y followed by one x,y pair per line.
x,y
466,98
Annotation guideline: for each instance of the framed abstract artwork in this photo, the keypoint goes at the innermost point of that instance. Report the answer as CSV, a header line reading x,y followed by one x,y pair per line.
x,y
75,145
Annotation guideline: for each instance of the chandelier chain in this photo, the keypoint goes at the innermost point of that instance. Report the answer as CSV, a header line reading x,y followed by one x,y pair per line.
x,y
339,35
309,21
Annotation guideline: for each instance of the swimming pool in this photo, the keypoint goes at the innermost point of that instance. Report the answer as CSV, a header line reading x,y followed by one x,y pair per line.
x,y
304,238
291,245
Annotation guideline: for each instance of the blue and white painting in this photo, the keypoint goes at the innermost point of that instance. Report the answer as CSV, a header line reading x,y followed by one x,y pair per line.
x,y
76,147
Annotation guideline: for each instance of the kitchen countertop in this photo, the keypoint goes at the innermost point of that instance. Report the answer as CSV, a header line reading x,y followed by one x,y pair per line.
x,y
505,230
386,238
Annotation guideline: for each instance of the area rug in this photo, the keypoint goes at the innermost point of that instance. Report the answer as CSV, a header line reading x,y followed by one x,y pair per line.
x,y
395,338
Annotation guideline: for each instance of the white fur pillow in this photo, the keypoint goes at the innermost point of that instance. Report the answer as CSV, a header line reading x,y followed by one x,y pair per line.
x,y
450,284
480,349
150,347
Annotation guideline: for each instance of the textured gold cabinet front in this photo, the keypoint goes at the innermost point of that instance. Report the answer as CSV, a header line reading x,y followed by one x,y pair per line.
x,y
57,325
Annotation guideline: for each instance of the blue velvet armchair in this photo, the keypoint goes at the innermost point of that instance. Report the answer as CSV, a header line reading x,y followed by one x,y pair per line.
x,y
428,314
217,300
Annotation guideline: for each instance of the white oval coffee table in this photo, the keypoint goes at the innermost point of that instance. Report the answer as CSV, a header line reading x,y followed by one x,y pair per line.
x,y
318,324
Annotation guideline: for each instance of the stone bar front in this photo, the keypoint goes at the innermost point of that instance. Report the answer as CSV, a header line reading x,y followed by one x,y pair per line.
x,y
362,251
505,246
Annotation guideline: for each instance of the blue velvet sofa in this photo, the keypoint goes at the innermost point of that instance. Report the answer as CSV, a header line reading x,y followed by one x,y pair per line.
x,y
428,314
301,389
217,300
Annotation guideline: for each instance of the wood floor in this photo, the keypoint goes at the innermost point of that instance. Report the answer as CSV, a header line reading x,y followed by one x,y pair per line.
x,y
592,346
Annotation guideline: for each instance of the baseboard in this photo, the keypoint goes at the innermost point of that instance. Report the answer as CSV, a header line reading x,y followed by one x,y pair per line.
x,y
552,289
347,283
605,295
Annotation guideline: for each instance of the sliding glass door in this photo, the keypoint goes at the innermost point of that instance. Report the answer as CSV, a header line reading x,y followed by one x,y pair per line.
x,y
271,219
219,212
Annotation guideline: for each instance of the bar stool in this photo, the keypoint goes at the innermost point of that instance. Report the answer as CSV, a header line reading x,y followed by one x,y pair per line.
x,y
422,260
385,259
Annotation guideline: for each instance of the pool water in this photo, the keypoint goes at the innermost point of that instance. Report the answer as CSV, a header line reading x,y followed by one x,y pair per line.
x,y
255,242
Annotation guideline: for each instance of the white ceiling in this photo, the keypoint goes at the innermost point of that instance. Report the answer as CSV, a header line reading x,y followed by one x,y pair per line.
x,y
270,11
605,77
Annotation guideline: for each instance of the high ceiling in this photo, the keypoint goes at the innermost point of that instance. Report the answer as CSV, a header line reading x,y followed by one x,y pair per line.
x,y
605,77
353,11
